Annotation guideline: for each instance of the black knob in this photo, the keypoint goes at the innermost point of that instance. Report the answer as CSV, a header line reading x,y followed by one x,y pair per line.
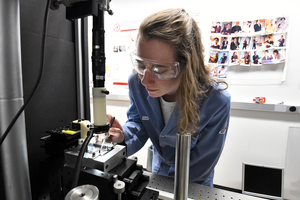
x,y
105,92
293,109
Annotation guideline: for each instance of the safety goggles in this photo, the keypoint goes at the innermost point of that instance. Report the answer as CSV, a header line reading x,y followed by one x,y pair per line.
x,y
158,69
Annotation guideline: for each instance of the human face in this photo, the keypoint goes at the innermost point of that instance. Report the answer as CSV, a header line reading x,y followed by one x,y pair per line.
x,y
158,50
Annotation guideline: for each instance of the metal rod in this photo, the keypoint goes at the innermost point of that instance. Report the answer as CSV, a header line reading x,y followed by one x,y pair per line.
x,y
79,76
182,166
13,151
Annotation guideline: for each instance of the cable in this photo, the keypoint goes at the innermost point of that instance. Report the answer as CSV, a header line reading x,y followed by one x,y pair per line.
x,y
38,79
80,158
78,164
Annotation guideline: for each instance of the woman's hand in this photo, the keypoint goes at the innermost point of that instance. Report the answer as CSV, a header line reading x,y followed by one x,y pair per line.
x,y
116,131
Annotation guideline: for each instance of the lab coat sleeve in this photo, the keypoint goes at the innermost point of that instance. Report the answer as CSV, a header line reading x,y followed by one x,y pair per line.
x,y
134,130
209,145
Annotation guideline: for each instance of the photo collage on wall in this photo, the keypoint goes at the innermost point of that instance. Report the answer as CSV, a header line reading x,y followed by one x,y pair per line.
x,y
247,43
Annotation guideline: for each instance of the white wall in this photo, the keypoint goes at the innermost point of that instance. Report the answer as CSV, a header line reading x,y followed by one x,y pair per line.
x,y
253,136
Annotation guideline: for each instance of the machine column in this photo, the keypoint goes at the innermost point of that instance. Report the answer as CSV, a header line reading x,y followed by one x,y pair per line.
x,y
13,151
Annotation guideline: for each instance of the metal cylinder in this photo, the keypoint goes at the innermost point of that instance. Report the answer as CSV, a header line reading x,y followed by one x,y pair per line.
x,y
182,166
13,151
119,188
99,106
83,192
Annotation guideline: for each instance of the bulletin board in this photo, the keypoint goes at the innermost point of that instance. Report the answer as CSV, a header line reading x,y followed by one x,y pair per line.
x,y
251,52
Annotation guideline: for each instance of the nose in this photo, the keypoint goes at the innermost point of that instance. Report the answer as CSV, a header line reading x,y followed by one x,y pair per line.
x,y
147,78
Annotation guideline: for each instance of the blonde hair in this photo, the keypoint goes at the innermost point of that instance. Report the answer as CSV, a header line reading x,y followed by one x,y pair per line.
x,y
177,28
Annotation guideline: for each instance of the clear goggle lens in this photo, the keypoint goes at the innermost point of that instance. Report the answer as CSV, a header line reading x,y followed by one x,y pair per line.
x,y
158,69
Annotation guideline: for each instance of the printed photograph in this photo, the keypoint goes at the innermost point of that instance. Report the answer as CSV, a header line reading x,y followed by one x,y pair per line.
x,y
259,26
267,56
271,26
235,43
116,49
245,43
256,42
280,40
222,71
215,42
282,24
256,58
214,70
215,27
225,41
234,58
268,41
213,56
245,58
248,27
122,48
279,55
223,57
236,28
226,28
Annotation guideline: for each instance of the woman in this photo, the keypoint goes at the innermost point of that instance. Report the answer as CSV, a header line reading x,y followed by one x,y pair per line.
x,y
277,57
171,92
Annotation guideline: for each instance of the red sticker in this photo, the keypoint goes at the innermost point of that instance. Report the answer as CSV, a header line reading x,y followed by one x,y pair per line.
x,y
117,27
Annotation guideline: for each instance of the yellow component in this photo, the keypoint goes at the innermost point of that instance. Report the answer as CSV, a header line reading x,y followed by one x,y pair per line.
x,y
69,132
83,127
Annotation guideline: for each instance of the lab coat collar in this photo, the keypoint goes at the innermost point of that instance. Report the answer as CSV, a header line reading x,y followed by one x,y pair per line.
x,y
155,106
173,120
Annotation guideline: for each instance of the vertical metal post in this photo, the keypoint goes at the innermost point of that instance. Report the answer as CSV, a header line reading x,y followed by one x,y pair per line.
x,y
79,73
13,151
98,67
182,166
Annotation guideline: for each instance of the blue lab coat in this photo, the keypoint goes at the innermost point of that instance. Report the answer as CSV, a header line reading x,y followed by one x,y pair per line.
x,y
145,121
